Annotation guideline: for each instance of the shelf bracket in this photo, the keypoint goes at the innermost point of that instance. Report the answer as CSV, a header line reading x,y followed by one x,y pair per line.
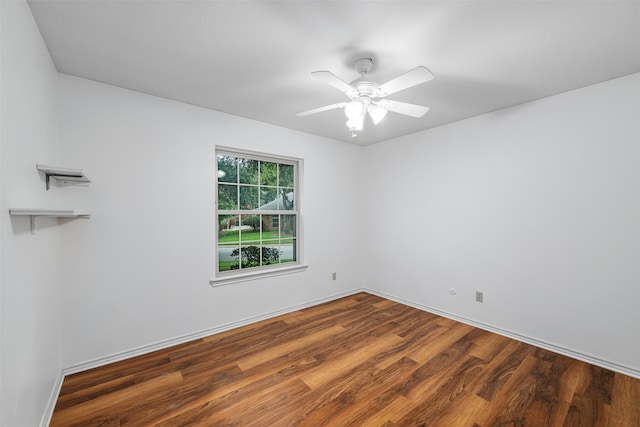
x,y
48,176
33,222
32,219
65,175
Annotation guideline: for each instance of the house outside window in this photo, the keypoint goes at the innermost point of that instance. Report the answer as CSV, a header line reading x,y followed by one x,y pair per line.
x,y
257,210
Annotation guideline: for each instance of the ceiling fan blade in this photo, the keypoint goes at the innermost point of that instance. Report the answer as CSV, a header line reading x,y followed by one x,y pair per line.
x,y
409,79
321,109
412,110
335,81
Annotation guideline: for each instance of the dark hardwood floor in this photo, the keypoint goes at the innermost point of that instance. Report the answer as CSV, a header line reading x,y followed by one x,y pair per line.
x,y
357,361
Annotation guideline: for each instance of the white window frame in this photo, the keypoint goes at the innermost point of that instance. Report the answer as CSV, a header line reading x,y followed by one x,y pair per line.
x,y
241,275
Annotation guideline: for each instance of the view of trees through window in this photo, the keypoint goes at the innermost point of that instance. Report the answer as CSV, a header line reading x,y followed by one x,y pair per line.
x,y
256,213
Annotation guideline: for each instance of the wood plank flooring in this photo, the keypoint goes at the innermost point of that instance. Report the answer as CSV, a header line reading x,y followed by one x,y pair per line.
x,y
357,361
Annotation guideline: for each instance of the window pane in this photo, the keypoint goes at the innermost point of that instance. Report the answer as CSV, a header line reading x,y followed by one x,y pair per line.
x,y
227,196
248,197
268,198
248,171
227,169
269,231
268,173
270,255
288,252
286,176
287,227
226,260
250,256
251,228
286,198
288,239
224,225
228,229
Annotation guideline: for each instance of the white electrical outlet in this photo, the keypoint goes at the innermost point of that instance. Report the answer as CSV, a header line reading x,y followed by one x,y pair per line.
x,y
479,296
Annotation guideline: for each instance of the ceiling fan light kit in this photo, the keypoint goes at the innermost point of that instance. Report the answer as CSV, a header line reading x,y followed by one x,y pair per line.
x,y
368,97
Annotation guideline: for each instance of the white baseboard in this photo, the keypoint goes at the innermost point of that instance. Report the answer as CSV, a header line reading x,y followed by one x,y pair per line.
x,y
627,370
138,351
53,398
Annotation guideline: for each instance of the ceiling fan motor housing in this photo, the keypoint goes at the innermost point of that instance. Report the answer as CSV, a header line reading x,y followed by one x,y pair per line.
x,y
364,88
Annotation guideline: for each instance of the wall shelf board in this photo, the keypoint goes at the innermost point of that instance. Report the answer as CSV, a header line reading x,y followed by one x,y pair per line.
x,y
64,175
33,214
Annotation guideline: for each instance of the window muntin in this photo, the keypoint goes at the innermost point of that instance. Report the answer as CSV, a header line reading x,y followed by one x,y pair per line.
x,y
257,214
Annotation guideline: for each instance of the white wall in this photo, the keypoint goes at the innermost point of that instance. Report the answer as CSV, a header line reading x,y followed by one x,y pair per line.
x,y
537,205
30,264
138,271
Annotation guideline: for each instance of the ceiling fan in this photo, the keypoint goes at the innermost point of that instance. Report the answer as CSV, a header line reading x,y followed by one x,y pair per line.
x,y
369,97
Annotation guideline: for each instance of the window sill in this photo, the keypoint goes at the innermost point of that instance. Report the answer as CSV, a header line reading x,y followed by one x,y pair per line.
x,y
244,277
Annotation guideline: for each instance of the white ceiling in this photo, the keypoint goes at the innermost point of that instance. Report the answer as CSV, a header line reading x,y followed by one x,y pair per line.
x,y
254,58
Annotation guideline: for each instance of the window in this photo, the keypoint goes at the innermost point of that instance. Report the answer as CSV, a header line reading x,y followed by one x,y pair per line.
x,y
257,213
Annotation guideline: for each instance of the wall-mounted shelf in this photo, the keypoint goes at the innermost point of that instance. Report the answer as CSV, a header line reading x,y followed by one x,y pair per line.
x,y
64,175
57,213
